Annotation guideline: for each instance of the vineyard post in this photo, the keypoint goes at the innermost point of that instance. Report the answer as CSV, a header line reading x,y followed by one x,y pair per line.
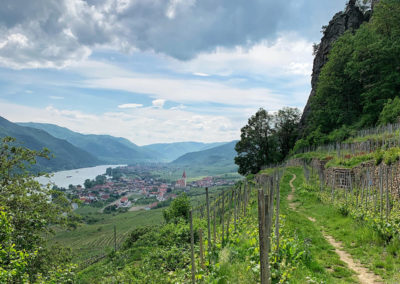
x,y
245,199
201,248
115,238
229,216
192,248
262,241
235,208
208,225
387,194
215,224
277,214
223,217
267,231
381,192
270,211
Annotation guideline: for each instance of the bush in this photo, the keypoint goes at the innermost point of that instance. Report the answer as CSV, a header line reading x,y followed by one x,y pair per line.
x,y
390,112
179,209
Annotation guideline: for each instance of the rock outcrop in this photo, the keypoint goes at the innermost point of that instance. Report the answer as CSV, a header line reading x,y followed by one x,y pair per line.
x,y
350,19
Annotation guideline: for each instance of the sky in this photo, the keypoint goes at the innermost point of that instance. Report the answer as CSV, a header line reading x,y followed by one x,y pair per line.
x,y
156,71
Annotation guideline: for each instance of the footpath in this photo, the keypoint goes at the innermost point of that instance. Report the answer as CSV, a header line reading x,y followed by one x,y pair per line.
x,y
365,276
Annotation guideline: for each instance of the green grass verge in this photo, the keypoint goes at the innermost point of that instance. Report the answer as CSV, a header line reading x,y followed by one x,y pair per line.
x,y
324,265
361,241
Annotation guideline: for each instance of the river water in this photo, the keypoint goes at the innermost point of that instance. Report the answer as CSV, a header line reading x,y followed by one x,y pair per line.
x,y
77,176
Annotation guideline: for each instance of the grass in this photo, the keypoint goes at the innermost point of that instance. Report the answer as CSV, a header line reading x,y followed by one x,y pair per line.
x,y
91,240
97,238
357,239
324,265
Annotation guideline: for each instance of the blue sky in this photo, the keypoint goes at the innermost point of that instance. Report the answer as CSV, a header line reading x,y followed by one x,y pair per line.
x,y
156,70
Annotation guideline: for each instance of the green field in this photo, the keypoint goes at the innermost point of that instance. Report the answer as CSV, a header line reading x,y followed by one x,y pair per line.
x,y
97,239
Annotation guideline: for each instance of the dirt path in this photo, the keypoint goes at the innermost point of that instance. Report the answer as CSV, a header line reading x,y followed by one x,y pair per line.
x,y
365,276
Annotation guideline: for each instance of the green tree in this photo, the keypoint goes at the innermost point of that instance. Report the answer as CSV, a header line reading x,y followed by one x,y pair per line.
x,y
257,145
391,112
361,75
286,127
178,210
31,209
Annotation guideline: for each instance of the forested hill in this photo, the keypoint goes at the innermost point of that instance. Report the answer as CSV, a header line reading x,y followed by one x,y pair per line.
x,y
106,148
171,151
66,155
359,84
218,156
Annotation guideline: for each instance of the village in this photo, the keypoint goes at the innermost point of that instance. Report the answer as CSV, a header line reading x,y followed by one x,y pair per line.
x,y
133,188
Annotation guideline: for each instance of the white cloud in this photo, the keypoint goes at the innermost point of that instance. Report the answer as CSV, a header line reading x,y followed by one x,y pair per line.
x,y
290,54
144,126
158,103
130,106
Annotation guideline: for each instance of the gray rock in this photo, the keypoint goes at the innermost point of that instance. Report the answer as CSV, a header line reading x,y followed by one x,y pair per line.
x,y
350,19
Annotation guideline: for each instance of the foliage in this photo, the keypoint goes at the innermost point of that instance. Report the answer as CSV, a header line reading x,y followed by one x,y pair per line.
x,y
266,139
178,210
286,125
29,214
390,112
257,145
360,77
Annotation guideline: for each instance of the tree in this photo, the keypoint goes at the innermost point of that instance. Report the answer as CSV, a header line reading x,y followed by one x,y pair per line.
x,y
29,210
286,127
178,210
257,145
391,112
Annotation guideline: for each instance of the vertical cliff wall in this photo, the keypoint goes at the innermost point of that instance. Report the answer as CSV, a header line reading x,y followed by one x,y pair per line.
x,y
350,19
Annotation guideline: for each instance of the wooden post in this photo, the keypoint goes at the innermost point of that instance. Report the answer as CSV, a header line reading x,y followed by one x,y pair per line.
x,y
115,238
192,248
223,218
262,241
208,225
387,194
245,199
235,207
215,224
277,214
381,192
267,224
201,249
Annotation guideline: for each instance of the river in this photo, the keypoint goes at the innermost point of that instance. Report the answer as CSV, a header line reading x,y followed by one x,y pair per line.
x,y
77,176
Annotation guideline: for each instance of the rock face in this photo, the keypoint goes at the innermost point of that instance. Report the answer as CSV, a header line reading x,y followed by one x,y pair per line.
x,y
350,19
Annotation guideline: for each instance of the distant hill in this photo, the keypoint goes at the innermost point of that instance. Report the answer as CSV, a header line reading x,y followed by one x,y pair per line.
x,y
67,156
221,156
106,148
171,151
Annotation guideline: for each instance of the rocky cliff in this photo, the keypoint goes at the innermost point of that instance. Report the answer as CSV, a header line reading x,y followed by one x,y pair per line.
x,y
350,19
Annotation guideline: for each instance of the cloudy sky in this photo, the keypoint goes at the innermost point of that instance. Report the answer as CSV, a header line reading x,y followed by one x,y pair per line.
x,y
156,70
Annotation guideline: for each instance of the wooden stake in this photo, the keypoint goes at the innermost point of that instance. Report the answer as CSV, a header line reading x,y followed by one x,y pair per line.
x,y
201,249
208,225
192,248
262,241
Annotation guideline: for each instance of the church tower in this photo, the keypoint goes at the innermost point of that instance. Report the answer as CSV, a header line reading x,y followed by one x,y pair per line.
x,y
184,177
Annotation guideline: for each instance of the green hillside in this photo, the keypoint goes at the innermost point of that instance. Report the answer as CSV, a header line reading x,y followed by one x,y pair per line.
x,y
106,148
359,86
67,156
217,156
172,151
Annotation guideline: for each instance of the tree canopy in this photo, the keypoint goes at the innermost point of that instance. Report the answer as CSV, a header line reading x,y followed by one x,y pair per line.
x,y
361,75
266,139
27,212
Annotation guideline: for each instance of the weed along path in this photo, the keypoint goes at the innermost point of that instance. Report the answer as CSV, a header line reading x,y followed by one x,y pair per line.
x,y
364,275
